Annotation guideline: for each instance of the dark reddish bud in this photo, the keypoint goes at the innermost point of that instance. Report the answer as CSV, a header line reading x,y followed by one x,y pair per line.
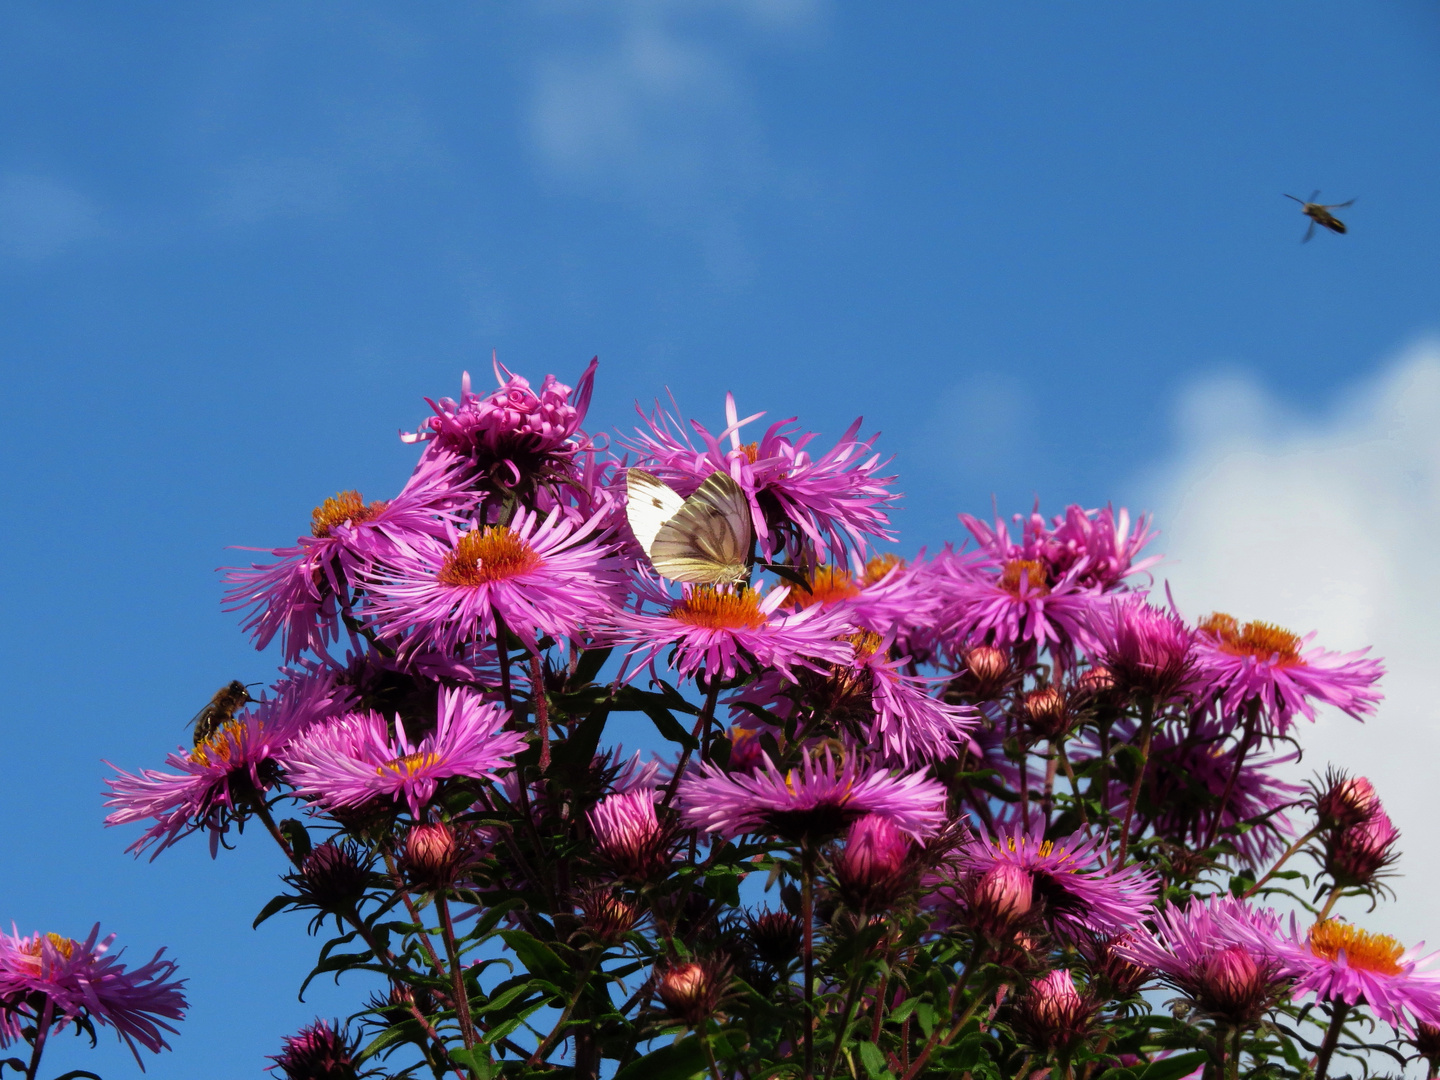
x,y
776,936
1427,1041
333,877
987,671
1122,977
1346,801
433,856
1046,713
1000,899
691,991
1096,682
1053,1015
607,915
1234,986
319,1052
1355,856
871,871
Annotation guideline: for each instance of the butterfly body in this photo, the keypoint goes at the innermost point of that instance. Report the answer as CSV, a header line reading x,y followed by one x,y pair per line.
x,y
702,540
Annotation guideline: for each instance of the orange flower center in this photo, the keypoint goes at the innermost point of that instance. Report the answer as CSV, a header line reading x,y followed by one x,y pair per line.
x,y
881,565
1369,952
830,583
865,645
344,506
1259,639
1017,570
220,748
706,606
752,451
31,949
408,765
481,556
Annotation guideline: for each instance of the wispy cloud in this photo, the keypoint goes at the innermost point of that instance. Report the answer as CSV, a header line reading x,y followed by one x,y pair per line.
x,y
1329,523
42,216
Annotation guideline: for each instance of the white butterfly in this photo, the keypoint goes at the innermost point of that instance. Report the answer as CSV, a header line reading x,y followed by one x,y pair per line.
x,y
703,540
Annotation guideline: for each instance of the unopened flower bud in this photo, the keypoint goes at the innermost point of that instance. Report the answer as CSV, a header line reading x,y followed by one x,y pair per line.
x,y
1001,898
319,1052
870,871
1053,1015
1426,1040
776,936
1121,976
1046,713
1096,681
1233,985
607,915
692,990
1354,856
1346,801
432,857
333,877
987,669
628,834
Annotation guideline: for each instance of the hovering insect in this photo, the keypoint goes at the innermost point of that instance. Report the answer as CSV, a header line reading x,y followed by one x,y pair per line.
x,y
1319,214
704,539
228,700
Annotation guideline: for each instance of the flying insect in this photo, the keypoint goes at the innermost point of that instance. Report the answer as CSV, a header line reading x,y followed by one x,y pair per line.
x,y
228,700
1319,214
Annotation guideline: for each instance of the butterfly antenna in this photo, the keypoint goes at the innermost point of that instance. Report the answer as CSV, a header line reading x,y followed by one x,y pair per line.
x,y
1289,196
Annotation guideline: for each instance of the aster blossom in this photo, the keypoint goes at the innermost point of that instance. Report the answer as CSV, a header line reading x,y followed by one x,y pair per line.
x,y
538,575
216,781
835,501
1146,649
1268,665
1079,892
817,797
887,596
1103,544
1340,962
354,760
725,631
74,980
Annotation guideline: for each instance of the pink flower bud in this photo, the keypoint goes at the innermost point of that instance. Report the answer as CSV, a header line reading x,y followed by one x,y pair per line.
x,y
628,834
870,871
1053,1015
1001,898
433,856
691,991
1046,713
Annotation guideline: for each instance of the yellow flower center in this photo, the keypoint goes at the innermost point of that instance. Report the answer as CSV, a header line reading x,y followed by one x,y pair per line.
x,y
1017,570
865,645
220,748
408,765
707,607
1259,639
828,584
752,451
31,949
485,555
881,565
344,506
1369,952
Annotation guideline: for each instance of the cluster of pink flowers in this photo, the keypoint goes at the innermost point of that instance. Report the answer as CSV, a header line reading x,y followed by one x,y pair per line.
x,y
1003,780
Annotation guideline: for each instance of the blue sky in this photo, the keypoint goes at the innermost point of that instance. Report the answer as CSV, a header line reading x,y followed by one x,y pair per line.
x,y
1042,248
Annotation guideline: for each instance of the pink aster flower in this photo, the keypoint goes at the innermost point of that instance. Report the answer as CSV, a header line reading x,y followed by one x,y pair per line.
x,y
1225,956
319,1051
1013,603
818,798
216,781
537,575
628,835
1080,894
886,596
1100,543
729,630
1270,666
301,596
1341,962
354,760
514,424
834,501
1356,854
1147,650
49,978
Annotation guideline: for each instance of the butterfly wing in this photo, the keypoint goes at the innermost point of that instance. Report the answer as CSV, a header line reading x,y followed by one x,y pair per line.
x,y
649,504
707,541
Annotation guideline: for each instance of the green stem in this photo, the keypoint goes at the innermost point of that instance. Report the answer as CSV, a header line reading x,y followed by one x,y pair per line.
x,y
555,1032
1329,904
542,711
1147,728
710,1052
1250,719
42,1032
1235,1057
1291,850
935,1038
807,898
702,725
457,973
852,997
1332,1039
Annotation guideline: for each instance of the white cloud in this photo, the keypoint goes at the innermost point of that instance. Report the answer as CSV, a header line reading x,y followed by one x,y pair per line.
x,y
41,216
1330,523
650,100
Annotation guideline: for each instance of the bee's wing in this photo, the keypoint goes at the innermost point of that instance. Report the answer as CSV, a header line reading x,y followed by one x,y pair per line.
x,y
649,504
1339,205
1308,233
708,539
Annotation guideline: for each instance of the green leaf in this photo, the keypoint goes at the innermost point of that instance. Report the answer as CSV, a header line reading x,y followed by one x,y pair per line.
x,y
678,1061
538,958
276,904
669,727
1174,1067
873,1059
925,1013
476,1059
589,665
